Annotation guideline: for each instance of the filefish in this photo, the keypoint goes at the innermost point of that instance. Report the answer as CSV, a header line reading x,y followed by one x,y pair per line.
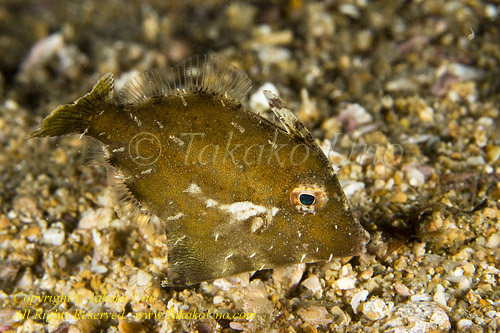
x,y
234,192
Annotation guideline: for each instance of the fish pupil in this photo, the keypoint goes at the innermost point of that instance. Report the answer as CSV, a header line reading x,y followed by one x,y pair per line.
x,y
306,199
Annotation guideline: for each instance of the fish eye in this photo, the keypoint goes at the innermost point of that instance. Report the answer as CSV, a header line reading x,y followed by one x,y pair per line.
x,y
308,198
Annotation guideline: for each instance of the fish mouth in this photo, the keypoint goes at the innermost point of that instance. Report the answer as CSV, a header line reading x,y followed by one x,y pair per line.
x,y
364,239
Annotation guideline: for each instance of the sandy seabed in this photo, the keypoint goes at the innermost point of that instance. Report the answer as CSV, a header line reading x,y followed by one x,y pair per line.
x,y
402,95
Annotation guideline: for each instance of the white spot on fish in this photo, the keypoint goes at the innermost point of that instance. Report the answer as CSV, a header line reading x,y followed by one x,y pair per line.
x,y
274,211
84,132
193,189
257,224
180,239
238,127
175,217
139,123
145,172
183,100
176,140
241,211
211,203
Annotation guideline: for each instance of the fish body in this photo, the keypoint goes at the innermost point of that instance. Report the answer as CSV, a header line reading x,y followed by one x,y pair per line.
x,y
234,191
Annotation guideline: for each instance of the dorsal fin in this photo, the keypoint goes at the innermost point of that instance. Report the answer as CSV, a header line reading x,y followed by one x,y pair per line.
x,y
200,72
290,122
293,125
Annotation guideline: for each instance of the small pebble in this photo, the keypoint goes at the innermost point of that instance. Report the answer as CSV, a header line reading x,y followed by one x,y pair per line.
x,y
492,153
99,218
375,309
143,278
315,315
273,55
426,114
313,284
440,298
402,289
491,11
421,297
469,268
287,278
350,187
54,236
43,51
464,323
346,283
240,15
26,280
349,10
415,177
401,84
357,299
493,241
356,113
82,297
417,317
125,326
399,197
218,299
4,222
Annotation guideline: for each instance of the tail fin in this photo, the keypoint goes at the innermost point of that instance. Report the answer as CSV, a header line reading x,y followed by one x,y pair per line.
x,y
76,117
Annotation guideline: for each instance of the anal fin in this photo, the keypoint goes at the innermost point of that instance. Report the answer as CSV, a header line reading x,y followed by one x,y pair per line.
x,y
185,268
